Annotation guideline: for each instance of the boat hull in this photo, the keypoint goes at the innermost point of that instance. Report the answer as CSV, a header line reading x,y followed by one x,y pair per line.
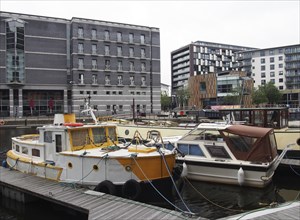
x,y
226,173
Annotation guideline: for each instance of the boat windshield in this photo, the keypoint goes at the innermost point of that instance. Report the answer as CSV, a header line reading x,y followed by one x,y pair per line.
x,y
204,134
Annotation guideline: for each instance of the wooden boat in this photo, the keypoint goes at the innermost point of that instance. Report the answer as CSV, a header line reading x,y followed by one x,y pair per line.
x,y
90,155
230,154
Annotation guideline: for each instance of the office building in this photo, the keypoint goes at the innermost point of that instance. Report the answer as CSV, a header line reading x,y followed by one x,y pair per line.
x,y
51,65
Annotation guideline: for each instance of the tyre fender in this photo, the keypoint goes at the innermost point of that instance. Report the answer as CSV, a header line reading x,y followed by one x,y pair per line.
x,y
107,187
131,189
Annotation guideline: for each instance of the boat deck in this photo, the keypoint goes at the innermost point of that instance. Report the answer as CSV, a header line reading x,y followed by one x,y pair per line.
x,y
94,204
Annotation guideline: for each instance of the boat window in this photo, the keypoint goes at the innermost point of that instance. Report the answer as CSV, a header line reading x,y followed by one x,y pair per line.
x,y
80,137
241,143
18,148
35,152
58,145
272,141
48,136
217,151
112,133
99,135
183,148
195,150
24,150
169,146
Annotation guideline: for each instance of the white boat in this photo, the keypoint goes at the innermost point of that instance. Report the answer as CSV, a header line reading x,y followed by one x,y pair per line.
x,y
90,155
230,154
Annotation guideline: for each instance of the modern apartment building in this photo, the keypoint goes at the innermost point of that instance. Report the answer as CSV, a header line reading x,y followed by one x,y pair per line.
x,y
280,65
199,58
51,64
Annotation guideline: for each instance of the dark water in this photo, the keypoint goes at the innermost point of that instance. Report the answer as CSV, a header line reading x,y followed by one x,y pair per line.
x,y
207,200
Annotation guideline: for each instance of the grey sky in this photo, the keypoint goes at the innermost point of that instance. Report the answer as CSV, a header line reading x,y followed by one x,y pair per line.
x,y
260,24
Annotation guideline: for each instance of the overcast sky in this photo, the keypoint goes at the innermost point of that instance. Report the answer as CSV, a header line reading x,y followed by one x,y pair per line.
x,y
259,24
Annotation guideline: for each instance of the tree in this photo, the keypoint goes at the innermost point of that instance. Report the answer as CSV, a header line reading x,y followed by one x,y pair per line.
x,y
267,93
183,96
165,101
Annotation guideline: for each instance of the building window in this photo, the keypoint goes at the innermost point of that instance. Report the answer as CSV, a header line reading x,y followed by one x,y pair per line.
x,y
94,64
271,59
131,52
119,36
15,67
108,108
272,67
114,92
131,37
280,65
120,80
262,53
131,66
80,32
271,52
262,60
142,39
107,80
119,51
280,58
106,50
80,63
202,87
280,51
107,92
280,73
143,67
120,65
94,92
94,34
121,108
107,64
263,75
263,82
80,48
263,68
272,74
143,53
143,80
94,79
81,92
280,87
94,48
280,79
272,81
120,93
131,80
253,60
106,35
81,78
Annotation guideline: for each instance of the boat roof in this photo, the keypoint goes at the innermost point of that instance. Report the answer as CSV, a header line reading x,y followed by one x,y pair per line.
x,y
244,130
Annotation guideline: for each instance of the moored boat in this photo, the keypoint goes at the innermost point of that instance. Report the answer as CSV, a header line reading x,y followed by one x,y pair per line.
x,y
90,155
230,154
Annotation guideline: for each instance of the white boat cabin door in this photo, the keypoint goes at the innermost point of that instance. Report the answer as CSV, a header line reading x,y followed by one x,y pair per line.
x,y
54,144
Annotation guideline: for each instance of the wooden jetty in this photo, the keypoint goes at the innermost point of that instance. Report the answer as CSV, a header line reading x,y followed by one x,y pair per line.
x,y
288,210
93,205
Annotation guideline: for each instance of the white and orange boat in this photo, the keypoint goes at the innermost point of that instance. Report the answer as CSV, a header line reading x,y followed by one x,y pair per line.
x,y
90,155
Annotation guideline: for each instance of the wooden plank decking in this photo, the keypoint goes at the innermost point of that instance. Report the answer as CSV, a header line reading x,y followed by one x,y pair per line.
x,y
95,205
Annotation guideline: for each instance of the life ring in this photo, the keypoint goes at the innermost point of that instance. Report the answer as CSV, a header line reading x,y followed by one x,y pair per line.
x,y
2,122
73,124
107,187
131,189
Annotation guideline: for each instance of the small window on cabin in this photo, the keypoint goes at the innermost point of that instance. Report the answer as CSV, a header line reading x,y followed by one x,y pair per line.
x,y
48,136
99,135
217,151
24,150
17,148
169,146
183,148
35,152
195,150
112,133
80,137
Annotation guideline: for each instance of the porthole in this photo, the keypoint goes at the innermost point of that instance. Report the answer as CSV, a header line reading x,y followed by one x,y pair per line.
x,y
70,165
95,167
128,168
127,132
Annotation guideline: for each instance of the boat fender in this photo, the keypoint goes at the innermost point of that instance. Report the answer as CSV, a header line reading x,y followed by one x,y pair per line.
x,y
298,141
107,187
131,189
4,164
73,124
184,170
2,122
241,176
